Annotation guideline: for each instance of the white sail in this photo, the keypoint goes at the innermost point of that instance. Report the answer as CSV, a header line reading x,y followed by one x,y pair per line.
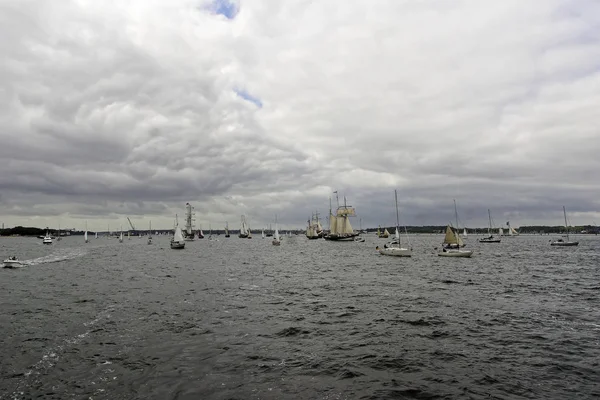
x,y
500,231
85,236
178,236
465,232
277,232
96,236
189,219
397,234
263,234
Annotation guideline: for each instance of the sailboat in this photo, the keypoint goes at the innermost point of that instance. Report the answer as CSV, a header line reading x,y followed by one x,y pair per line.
x,y
452,242
561,242
263,234
150,233
511,231
177,241
384,235
314,229
490,238
121,235
464,232
189,222
244,230
96,235
200,234
227,229
395,248
339,224
276,240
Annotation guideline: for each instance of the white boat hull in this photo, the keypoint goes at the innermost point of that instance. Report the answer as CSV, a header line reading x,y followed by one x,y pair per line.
x,y
456,253
177,245
12,264
395,251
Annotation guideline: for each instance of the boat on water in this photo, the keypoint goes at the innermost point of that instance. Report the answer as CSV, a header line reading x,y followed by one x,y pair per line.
x,y
227,229
121,235
511,231
47,238
384,235
314,229
244,229
276,240
189,222
149,241
177,241
394,248
451,246
340,229
490,238
562,242
12,262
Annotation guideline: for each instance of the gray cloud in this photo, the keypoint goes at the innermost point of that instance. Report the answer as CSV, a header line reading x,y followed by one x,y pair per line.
x,y
110,109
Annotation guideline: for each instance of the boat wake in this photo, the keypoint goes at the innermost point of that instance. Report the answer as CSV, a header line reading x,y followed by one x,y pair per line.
x,y
59,255
52,354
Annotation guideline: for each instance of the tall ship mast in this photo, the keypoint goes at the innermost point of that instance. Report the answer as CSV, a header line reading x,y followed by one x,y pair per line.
x,y
189,221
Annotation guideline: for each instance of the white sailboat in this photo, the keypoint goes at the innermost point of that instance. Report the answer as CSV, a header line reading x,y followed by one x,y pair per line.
x,y
490,238
561,242
85,235
177,241
339,224
394,248
227,229
451,246
263,234
276,239
511,231
150,233
96,235
121,235
189,222
244,231
464,232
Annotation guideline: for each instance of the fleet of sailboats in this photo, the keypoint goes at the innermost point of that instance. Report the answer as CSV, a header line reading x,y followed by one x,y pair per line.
x,y
340,229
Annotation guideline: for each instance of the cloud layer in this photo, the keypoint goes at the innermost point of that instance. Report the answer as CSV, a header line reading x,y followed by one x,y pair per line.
x,y
114,108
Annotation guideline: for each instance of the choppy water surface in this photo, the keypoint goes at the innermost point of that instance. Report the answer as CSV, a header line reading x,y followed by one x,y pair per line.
x,y
242,319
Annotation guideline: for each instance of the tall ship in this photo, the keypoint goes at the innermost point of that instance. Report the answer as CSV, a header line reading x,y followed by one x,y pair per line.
x,y
340,228
314,229
189,222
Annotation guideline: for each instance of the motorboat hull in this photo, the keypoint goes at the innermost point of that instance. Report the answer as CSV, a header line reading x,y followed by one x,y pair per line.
x,y
564,244
12,264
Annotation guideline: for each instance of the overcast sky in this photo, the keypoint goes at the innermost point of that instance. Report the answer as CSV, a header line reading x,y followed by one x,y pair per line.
x,y
133,108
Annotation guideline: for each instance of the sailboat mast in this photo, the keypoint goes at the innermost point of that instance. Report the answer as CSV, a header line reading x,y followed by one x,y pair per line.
x,y
330,214
397,216
566,226
490,222
456,217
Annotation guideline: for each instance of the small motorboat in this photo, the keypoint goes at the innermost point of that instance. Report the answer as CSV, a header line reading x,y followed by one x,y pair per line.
x,y
12,262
